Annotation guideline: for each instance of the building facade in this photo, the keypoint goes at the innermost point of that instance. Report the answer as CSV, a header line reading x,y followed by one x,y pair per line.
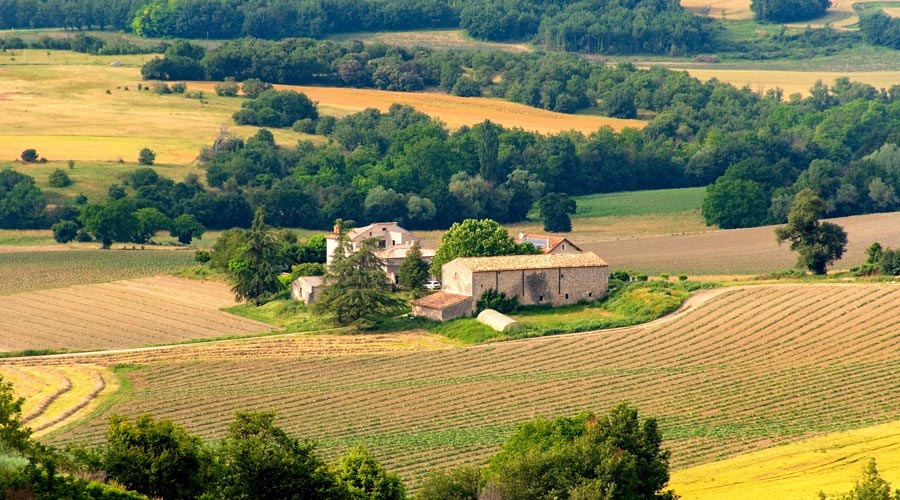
x,y
556,279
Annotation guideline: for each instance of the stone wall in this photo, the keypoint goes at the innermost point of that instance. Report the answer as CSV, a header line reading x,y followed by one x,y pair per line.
x,y
544,286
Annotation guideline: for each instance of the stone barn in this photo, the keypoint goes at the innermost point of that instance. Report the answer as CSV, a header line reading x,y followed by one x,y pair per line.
x,y
306,288
556,279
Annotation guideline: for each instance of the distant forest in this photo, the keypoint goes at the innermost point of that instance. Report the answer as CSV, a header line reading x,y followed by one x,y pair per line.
x,y
595,26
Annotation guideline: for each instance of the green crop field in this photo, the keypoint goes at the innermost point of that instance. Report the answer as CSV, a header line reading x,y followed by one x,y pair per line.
x,y
745,369
658,201
24,271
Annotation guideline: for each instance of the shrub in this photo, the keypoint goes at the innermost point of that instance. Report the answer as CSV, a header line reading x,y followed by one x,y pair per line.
x,y
202,256
194,94
228,88
664,276
146,156
325,125
65,231
29,155
161,88
304,126
179,87
252,87
682,277
59,179
492,299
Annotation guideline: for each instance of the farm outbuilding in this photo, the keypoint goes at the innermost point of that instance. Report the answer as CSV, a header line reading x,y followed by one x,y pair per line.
x,y
549,244
306,288
556,279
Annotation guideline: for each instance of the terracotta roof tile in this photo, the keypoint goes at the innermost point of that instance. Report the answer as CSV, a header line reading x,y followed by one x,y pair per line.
x,y
440,300
542,261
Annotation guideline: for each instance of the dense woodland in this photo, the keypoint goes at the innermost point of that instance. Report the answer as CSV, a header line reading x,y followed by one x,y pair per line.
x,y
601,26
402,165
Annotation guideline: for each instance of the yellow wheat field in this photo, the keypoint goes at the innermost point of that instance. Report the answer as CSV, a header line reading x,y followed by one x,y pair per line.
x,y
830,463
791,82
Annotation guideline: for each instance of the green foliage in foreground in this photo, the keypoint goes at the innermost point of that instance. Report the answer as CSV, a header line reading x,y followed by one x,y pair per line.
x,y
871,487
616,456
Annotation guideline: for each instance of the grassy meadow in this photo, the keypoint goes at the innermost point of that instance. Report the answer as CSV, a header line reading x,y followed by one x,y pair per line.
x,y
57,103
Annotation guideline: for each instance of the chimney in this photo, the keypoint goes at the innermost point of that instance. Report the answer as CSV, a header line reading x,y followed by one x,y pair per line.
x,y
337,229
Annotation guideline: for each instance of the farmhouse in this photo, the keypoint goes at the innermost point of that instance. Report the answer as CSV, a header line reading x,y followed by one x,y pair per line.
x,y
548,244
557,279
394,243
306,288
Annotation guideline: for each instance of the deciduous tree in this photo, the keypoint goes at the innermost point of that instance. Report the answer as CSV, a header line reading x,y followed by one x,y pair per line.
x,y
413,272
555,210
476,238
818,243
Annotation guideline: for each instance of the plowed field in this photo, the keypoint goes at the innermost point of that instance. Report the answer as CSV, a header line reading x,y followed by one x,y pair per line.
x,y
746,369
120,314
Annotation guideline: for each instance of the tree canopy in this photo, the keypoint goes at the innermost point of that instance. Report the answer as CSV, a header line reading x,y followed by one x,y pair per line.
x,y
818,243
476,238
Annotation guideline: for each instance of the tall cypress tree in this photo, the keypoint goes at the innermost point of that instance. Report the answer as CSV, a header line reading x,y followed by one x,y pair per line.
x,y
254,270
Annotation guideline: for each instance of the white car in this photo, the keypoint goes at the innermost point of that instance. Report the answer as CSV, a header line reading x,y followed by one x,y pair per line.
x,y
433,285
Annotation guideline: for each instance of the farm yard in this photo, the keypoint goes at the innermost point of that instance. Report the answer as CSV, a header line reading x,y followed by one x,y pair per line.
x,y
748,368
120,314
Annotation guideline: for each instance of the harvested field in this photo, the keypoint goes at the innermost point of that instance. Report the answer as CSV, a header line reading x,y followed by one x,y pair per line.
x,y
56,395
734,251
24,269
433,39
728,9
745,369
120,314
760,80
453,110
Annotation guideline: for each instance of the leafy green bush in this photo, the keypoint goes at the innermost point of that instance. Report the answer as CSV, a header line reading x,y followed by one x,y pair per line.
x,y
498,301
59,179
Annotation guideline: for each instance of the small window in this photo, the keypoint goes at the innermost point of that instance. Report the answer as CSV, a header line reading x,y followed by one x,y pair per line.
x,y
541,298
590,294
567,296
564,246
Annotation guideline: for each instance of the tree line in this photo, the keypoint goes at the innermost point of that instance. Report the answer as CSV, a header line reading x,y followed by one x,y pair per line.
x,y
602,26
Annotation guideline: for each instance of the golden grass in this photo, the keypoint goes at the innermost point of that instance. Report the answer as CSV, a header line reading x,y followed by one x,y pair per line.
x,y
790,81
729,9
57,395
830,463
453,110
56,102
891,11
